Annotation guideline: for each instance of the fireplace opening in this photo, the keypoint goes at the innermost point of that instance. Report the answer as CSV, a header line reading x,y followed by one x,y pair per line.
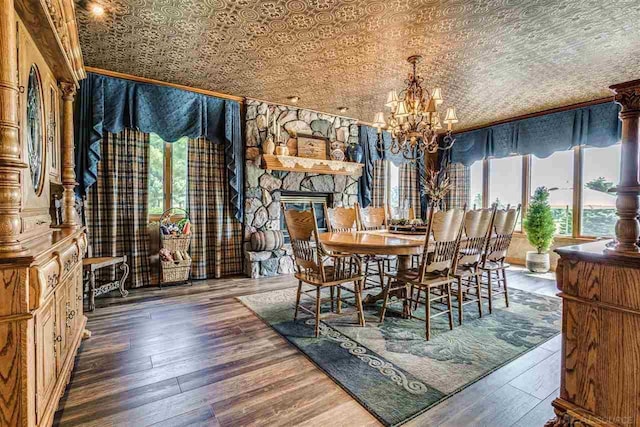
x,y
302,200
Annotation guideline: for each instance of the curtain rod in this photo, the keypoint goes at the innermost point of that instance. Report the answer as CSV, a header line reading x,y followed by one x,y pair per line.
x,y
162,83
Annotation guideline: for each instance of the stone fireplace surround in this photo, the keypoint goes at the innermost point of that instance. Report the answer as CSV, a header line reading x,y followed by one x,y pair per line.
x,y
263,187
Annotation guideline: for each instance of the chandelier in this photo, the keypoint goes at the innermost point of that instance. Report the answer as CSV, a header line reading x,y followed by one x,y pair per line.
x,y
414,121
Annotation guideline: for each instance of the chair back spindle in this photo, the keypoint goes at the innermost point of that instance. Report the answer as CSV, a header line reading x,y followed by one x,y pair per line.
x,y
478,224
444,231
503,228
303,233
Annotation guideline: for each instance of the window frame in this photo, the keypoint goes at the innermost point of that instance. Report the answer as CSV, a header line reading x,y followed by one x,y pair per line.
x,y
578,167
167,182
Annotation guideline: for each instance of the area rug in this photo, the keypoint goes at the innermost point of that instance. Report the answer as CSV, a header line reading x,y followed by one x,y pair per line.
x,y
391,369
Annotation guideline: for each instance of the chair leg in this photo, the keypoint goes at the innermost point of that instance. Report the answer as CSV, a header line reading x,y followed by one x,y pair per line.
x,y
479,294
427,317
449,306
385,298
317,311
295,314
459,301
358,289
415,304
92,291
366,272
331,291
506,291
490,291
339,300
381,271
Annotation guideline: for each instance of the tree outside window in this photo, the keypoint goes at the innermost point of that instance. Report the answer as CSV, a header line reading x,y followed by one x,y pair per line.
x,y
601,171
167,182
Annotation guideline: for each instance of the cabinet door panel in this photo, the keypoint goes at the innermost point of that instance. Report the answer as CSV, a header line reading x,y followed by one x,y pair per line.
x,y
79,297
61,310
46,353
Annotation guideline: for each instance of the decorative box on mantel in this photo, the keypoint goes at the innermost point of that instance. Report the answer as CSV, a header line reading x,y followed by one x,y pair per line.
x,y
302,164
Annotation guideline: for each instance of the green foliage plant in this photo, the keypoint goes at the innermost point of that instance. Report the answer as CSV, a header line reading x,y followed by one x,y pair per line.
x,y
539,223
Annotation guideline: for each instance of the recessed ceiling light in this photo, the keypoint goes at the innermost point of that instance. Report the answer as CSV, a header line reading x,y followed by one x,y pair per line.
x,y
97,10
343,109
293,99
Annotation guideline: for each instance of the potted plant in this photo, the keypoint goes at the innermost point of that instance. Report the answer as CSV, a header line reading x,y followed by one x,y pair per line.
x,y
540,228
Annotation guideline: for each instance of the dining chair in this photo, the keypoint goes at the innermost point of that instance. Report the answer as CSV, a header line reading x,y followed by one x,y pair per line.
x,y
435,273
311,258
341,219
478,224
494,258
371,219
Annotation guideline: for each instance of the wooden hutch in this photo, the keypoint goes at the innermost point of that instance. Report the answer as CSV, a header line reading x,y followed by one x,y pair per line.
x,y
599,284
41,320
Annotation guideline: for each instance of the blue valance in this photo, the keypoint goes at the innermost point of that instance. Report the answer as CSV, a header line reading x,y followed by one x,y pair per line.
x,y
595,126
107,104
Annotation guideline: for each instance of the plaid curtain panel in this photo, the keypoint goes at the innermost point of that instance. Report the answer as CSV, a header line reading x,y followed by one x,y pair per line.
x,y
116,210
408,187
379,187
460,178
216,246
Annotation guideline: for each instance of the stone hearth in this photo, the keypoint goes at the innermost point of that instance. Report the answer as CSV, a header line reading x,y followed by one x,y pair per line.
x,y
263,187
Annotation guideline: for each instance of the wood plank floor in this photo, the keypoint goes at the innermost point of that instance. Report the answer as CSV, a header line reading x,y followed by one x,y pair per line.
x,y
195,356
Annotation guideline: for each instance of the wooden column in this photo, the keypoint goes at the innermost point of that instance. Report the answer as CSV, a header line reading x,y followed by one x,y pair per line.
x,y
68,163
10,149
627,202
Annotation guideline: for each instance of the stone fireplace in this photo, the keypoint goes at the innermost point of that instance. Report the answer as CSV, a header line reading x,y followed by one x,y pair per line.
x,y
304,200
265,189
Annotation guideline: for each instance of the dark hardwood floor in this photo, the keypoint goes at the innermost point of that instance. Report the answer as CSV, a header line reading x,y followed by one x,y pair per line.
x,y
194,355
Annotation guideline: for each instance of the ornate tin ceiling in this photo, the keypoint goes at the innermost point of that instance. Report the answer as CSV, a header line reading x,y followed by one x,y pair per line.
x,y
493,59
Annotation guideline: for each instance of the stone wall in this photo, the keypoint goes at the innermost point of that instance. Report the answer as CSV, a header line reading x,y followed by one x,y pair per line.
x,y
262,187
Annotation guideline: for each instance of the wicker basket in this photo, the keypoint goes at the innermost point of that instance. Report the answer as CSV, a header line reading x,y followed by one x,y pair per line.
x,y
175,271
175,243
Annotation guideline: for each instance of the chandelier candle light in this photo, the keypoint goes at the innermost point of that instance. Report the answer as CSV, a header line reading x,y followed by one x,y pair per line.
x,y
415,120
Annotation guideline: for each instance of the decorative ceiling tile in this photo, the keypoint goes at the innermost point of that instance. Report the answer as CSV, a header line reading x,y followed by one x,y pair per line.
x,y
493,59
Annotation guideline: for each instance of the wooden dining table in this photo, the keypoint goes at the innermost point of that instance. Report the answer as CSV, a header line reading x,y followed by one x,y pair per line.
x,y
375,242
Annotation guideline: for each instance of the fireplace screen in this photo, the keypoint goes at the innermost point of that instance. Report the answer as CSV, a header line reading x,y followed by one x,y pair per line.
x,y
300,200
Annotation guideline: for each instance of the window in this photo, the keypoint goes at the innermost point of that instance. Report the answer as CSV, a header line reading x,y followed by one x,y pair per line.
x,y
600,172
394,187
167,174
475,187
556,173
505,183
580,201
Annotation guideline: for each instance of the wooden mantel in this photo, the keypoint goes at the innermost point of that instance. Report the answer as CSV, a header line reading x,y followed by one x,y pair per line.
x,y
305,165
